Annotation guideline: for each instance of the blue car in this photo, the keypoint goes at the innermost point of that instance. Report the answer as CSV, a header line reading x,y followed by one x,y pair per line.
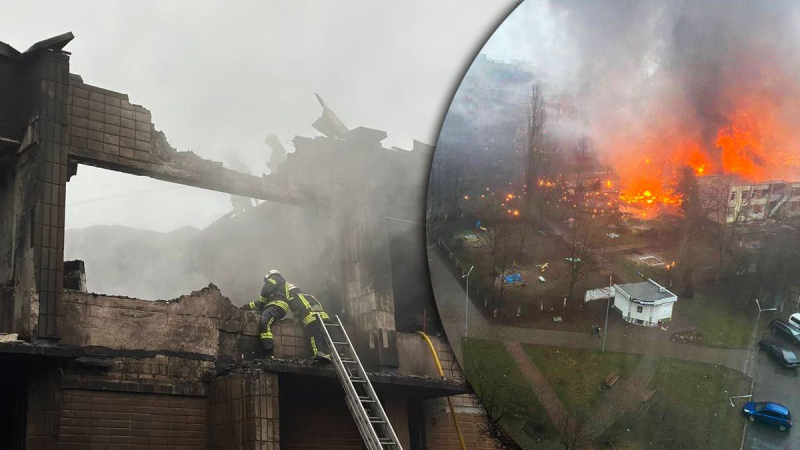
x,y
769,413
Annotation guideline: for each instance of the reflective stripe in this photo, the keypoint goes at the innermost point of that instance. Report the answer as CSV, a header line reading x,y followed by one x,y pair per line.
x,y
305,302
266,335
280,304
308,319
262,299
271,280
313,316
313,346
252,305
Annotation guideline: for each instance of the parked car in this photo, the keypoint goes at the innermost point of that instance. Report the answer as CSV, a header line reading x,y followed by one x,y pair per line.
x,y
779,353
794,319
768,413
786,330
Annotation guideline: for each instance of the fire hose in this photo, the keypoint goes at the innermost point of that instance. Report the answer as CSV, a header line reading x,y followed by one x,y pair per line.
x,y
441,373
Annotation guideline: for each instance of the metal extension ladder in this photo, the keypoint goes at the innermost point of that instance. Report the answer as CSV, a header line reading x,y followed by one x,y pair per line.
x,y
364,405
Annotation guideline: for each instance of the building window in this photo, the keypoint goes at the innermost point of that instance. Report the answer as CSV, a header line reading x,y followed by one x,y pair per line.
x,y
758,209
639,309
733,196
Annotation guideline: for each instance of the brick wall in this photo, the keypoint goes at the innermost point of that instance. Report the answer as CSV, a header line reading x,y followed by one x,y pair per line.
x,y
160,374
396,409
440,432
314,416
192,323
48,216
290,340
245,412
131,421
44,403
416,359
104,122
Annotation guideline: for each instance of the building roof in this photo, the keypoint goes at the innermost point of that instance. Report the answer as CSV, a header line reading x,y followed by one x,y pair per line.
x,y
647,292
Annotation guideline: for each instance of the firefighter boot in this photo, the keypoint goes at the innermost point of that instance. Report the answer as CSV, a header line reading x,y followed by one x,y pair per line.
x,y
322,358
267,348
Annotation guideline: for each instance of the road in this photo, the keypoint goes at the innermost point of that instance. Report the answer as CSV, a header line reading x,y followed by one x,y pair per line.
x,y
774,383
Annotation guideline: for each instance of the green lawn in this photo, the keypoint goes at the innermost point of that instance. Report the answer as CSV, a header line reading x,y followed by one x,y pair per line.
x,y
576,374
689,409
494,376
724,325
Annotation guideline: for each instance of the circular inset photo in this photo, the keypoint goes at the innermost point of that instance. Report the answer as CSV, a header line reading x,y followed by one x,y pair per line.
x,y
614,225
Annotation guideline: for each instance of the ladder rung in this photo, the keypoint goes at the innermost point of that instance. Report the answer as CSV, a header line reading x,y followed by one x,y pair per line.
x,y
370,418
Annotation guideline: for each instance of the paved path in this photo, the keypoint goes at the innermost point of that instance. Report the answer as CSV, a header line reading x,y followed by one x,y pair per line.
x,y
626,396
555,409
546,395
450,299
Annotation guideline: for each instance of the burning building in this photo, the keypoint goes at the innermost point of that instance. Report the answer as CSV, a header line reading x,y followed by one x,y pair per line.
x,y
732,200
86,370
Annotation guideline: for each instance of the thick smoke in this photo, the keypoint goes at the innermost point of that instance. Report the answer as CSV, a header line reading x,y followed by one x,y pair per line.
x,y
711,84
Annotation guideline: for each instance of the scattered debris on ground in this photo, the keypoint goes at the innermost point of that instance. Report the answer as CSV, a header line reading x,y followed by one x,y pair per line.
x,y
688,337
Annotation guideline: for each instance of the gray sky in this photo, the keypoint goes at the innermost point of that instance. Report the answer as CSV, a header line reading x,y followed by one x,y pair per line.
x,y
219,78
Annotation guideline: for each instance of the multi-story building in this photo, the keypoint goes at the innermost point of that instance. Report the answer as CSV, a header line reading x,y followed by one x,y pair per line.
x,y
488,119
729,200
93,371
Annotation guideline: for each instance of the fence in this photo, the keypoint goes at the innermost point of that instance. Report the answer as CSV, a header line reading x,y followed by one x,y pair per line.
x,y
457,266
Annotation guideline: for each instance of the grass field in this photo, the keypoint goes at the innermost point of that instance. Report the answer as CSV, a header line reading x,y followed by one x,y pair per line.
x,y
689,409
723,324
494,376
576,374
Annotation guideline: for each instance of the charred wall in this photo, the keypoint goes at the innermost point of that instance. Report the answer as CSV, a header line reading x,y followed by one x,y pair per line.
x,y
204,323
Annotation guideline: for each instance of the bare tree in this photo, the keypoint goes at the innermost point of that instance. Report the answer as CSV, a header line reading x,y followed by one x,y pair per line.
x,y
498,241
572,433
492,386
536,161
582,238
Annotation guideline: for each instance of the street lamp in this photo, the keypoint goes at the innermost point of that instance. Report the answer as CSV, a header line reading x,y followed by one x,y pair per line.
x,y
755,329
608,307
466,302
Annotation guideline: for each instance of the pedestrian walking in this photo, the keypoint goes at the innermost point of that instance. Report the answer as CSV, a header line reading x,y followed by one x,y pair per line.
x,y
596,331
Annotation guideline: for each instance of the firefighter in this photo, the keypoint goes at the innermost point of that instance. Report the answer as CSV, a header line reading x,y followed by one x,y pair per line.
x,y
272,305
277,298
309,311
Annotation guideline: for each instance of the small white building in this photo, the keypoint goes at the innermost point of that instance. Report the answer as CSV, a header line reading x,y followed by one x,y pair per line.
x,y
644,303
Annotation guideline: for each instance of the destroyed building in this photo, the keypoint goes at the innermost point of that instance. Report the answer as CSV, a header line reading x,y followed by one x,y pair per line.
x,y
729,199
102,371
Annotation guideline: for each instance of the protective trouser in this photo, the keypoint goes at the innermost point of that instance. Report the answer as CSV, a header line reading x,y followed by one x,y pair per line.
x,y
274,311
313,330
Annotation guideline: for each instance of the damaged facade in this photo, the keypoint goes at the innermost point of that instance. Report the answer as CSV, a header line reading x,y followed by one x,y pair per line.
x,y
96,371
731,200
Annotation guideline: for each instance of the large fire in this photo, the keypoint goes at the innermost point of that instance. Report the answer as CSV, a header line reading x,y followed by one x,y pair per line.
x,y
754,144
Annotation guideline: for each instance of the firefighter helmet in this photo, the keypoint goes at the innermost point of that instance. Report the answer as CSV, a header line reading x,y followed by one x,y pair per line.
x,y
272,272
